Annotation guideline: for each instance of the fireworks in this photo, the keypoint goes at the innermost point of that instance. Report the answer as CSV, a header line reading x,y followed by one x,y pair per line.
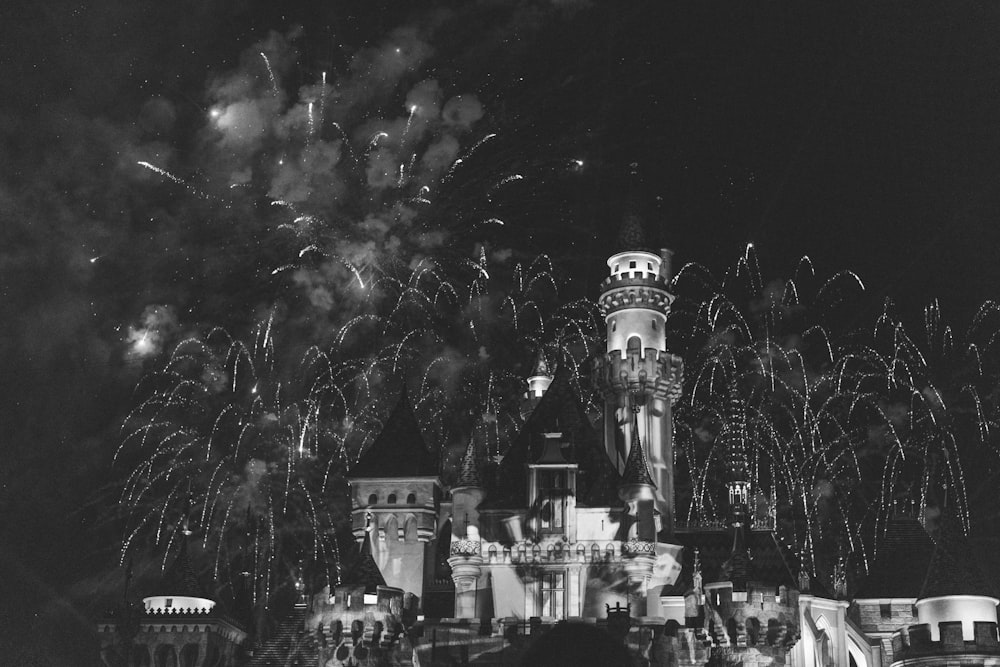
x,y
376,262
844,427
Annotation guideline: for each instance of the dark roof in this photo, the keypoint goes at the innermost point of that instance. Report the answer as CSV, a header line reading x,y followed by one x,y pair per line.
x,y
290,644
632,234
365,570
636,468
739,567
952,570
179,579
399,450
468,475
558,411
902,561
771,563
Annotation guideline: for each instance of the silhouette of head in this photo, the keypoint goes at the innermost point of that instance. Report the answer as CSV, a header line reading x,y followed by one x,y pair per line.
x,y
576,645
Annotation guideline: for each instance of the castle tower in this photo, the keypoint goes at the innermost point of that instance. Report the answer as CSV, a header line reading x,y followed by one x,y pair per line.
x,y
395,482
956,616
638,491
179,623
466,557
637,373
538,383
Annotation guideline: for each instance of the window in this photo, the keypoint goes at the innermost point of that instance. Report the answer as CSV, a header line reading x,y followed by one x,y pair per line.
x,y
169,603
885,610
411,499
631,264
553,594
617,267
552,494
392,499
373,499
649,266
654,324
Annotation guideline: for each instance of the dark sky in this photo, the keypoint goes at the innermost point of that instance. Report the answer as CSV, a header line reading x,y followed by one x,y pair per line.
x,y
865,135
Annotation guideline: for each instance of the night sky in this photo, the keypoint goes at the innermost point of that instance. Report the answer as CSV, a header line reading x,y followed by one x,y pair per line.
x,y
864,135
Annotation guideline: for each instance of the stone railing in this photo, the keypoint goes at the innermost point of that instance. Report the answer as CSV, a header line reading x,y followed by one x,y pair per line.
x,y
638,547
465,548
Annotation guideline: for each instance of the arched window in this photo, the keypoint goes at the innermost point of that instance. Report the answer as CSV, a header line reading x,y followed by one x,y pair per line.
x,y
373,499
411,499
506,554
392,499
550,552
581,552
609,551
753,631
520,554
189,655
492,553
595,553
536,552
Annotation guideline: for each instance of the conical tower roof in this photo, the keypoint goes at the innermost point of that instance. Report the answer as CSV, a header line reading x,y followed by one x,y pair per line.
x,y
468,475
952,570
365,570
738,568
631,234
734,437
399,450
180,579
636,468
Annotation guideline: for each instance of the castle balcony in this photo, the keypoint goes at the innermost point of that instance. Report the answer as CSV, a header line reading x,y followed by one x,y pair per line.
x,y
650,372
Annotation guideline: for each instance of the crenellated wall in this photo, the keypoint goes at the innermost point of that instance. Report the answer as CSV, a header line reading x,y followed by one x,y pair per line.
x,y
913,645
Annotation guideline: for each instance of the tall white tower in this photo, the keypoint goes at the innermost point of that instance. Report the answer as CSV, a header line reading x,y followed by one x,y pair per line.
x,y
637,375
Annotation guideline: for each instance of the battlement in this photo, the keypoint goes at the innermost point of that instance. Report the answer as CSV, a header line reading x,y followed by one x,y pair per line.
x,y
634,277
400,523
649,372
915,641
762,617
620,293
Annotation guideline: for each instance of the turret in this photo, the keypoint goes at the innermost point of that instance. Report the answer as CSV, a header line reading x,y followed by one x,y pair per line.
x,y
466,548
638,491
395,482
636,375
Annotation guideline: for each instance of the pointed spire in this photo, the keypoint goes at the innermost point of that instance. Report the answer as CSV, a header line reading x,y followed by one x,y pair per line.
x,y
468,475
636,468
180,579
734,436
541,365
632,234
365,570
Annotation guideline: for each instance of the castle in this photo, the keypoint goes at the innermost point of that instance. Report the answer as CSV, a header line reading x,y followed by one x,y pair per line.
x,y
576,523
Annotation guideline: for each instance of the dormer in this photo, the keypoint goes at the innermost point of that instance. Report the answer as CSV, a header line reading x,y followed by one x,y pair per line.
x,y
552,491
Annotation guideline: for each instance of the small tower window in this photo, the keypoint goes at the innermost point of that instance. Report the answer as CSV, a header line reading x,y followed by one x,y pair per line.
x,y
649,266
631,264
552,493
373,499
169,603
654,325
411,499
617,267
614,326
392,499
